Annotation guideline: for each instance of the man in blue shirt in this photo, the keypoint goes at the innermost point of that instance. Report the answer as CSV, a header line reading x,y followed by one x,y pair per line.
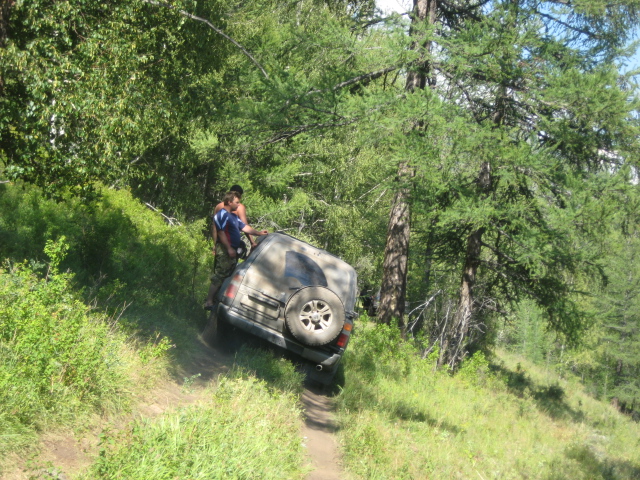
x,y
241,213
228,228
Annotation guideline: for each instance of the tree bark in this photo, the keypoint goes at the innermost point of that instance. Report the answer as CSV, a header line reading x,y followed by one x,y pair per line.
x,y
457,339
396,251
462,332
396,255
5,10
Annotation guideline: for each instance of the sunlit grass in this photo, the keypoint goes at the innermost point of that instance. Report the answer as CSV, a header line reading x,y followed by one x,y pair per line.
x,y
504,421
245,428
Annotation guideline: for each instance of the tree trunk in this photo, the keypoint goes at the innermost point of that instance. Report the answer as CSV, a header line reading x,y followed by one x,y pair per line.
x,y
5,10
396,251
457,339
396,254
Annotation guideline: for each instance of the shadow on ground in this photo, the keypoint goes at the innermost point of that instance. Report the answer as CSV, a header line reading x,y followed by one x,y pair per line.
x,y
549,399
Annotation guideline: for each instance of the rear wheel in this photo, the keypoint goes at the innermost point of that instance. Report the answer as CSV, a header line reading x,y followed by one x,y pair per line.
x,y
315,316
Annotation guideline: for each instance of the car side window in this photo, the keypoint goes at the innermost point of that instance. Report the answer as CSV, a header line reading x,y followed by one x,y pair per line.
x,y
304,269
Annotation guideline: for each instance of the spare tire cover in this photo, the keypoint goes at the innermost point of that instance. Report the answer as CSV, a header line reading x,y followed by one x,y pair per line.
x,y
314,315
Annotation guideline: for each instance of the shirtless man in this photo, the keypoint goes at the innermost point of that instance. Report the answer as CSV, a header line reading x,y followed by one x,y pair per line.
x,y
228,227
241,212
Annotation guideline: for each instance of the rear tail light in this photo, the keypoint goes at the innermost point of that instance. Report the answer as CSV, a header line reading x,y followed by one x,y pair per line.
x,y
232,289
343,338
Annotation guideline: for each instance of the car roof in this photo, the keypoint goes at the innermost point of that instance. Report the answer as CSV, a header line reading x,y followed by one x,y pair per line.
x,y
289,264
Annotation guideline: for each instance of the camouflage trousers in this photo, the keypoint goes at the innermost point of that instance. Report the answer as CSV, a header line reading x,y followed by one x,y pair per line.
x,y
223,266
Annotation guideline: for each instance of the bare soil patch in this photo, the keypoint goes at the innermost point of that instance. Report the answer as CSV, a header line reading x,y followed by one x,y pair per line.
x,y
319,436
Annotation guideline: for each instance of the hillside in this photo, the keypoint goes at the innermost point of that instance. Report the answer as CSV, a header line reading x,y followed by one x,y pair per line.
x,y
395,418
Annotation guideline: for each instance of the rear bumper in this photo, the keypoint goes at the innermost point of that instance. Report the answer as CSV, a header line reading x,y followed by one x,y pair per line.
x,y
329,361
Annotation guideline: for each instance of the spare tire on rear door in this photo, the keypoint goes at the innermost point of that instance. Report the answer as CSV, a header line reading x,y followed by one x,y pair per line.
x,y
314,315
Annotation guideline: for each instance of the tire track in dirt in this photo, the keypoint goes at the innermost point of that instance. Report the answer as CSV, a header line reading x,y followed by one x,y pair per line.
x,y
319,436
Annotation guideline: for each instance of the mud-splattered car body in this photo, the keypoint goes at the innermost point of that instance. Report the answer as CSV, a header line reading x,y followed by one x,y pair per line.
x,y
293,295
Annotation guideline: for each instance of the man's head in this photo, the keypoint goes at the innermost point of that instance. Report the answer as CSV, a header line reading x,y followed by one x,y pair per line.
x,y
232,199
238,189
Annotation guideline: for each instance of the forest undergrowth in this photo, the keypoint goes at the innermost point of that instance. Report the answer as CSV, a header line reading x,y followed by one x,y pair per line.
x,y
107,316
499,418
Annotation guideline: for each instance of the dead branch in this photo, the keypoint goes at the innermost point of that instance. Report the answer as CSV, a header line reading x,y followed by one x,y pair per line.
x,y
170,220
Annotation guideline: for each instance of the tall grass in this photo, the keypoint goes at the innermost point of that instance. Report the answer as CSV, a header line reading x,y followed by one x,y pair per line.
x,y
247,428
119,250
92,297
58,360
402,419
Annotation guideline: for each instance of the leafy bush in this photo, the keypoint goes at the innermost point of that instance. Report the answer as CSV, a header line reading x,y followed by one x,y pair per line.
x,y
378,349
277,372
117,246
56,358
475,369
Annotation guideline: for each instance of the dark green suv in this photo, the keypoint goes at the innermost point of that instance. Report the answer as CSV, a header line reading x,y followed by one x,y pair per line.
x,y
293,295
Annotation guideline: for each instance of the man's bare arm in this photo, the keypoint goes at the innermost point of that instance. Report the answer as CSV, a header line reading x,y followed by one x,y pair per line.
x,y
225,241
242,215
253,231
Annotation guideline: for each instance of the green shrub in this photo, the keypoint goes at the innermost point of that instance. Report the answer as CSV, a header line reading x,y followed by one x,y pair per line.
x,y
56,359
279,373
378,349
117,247
475,369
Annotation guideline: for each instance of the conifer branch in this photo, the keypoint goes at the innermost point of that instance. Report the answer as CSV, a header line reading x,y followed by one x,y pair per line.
x,y
568,26
366,76
213,27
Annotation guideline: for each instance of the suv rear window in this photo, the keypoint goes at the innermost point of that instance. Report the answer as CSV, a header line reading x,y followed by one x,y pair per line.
x,y
304,269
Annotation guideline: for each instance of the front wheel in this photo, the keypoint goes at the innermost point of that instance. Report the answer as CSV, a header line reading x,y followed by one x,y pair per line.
x,y
315,316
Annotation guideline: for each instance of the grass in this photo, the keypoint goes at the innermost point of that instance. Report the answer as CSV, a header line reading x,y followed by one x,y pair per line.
x,y
506,420
61,362
58,360
246,428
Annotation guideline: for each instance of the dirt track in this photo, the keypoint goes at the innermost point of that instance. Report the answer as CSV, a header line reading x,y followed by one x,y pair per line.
x,y
319,436
64,454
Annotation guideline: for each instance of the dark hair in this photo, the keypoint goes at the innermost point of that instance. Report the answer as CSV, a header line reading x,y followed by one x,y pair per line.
x,y
229,196
236,188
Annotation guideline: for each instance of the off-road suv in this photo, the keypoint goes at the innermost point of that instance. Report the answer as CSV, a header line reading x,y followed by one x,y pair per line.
x,y
293,295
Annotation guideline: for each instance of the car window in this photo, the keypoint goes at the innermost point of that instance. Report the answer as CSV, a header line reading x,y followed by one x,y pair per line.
x,y
304,269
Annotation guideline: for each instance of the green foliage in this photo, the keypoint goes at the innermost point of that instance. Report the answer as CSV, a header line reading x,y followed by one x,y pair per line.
x,y
94,90
278,373
380,352
60,359
527,335
144,100
490,420
475,369
156,349
607,359
244,431
57,360
117,247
